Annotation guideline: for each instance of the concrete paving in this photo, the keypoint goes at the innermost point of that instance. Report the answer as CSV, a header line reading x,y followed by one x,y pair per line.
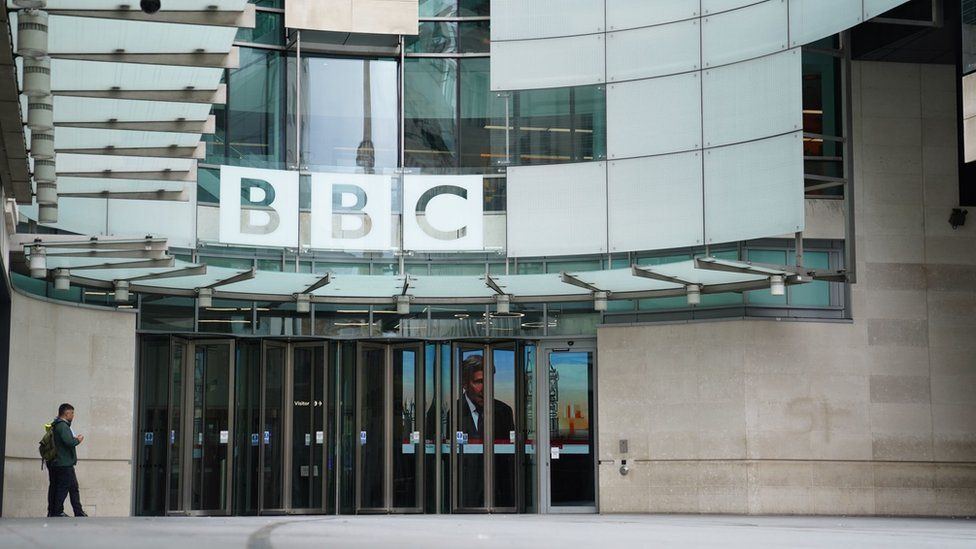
x,y
509,532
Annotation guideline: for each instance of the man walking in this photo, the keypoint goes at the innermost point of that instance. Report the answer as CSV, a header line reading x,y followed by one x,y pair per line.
x,y
61,470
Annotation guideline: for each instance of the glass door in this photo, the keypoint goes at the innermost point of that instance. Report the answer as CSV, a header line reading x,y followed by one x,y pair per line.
x,y
270,438
208,426
485,446
178,364
371,418
407,468
569,378
308,431
389,397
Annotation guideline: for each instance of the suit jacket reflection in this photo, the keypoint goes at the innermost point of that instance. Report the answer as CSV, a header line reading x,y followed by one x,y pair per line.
x,y
470,475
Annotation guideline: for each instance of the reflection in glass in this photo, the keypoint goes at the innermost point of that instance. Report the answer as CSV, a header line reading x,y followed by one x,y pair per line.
x,y
503,417
372,430
247,425
272,436
153,404
571,439
255,112
433,37
468,427
175,424
405,364
349,113
307,431
529,425
211,416
430,114
482,116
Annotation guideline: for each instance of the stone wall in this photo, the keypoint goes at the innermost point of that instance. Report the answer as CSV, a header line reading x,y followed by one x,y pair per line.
x,y
65,353
874,416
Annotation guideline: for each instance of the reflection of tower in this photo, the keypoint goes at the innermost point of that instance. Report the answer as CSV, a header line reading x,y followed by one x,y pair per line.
x,y
366,153
553,399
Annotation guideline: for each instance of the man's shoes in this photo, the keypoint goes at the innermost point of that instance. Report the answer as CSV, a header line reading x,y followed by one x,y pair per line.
x,y
81,514
58,516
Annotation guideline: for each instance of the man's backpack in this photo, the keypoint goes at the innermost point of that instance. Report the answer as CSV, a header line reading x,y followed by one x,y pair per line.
x,y
46,447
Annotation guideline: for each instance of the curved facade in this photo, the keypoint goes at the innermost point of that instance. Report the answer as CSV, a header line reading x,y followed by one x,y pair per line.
x,y
574,256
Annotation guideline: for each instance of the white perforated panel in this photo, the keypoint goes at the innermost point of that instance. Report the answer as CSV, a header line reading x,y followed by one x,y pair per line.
x,y
521,19
710,7
548,63
677,49
811,20
874,8
754,190
745,33
629,14
656,116
559,209
753,99
655,203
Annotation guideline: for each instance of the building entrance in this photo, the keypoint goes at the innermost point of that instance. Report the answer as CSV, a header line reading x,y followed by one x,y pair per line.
x,y
263,426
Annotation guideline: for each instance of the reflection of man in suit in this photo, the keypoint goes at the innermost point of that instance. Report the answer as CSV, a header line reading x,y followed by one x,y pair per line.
x,y
471,404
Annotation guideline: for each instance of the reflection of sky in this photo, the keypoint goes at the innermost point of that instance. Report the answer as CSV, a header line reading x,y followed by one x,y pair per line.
x,y
333,105
573,379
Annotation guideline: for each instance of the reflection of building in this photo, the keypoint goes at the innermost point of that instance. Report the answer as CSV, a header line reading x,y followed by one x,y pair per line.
x,y
538,155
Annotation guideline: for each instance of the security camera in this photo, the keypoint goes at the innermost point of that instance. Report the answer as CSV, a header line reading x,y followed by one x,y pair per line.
x,y
149,6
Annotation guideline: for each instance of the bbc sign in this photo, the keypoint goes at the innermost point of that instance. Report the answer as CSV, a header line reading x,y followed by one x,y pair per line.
x,y
351,211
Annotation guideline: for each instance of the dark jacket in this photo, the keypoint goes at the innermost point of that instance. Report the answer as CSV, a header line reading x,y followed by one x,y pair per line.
x,y
65,442
504,420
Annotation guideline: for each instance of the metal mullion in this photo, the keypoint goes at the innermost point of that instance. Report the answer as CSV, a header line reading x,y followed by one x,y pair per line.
x,y
388,429
420,414
488,426
358,480
262,418
186,460
438,466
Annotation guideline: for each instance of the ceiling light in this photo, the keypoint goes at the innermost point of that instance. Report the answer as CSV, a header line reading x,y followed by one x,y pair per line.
x,y
503,303
204,298
777,286
600,302
303,303
402,304
694,294
62,280
38,262
121,290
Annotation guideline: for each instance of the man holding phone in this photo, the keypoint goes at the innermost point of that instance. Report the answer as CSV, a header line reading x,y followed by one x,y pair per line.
x,y
61,470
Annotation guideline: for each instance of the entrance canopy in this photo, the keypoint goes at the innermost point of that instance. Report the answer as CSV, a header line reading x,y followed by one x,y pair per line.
x,y
145,266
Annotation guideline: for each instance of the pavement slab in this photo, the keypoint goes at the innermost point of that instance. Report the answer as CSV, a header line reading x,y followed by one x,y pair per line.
x,y
477,531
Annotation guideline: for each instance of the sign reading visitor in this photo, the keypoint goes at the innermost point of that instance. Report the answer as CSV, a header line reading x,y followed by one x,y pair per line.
x,y
351,211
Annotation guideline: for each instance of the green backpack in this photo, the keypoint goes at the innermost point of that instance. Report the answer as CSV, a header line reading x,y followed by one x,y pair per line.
x,y
46,447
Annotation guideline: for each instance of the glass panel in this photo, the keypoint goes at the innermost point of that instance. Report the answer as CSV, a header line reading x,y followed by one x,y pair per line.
x,y
372,431
301,432
226,317
349,116
172,314
570,437
433,37
268,29
483,114
175,427
319,430
438,8
255,111
153,406
474,8
469,428
247,425
529,427
444,420
503,428
348,431
430,427
405,464
812,294
542,126
430,112
272,437
211,417
474,37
